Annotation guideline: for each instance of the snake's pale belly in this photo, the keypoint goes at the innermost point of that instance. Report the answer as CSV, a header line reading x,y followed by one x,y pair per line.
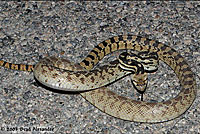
x,y
111,103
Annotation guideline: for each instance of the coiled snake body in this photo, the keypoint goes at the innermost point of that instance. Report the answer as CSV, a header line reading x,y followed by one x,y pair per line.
x,y
106,100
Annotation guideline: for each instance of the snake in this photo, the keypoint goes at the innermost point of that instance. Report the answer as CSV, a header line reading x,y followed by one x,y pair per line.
x,y
54,74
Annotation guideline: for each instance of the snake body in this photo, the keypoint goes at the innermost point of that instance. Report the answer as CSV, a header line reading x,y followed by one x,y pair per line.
x,y
75,79
118,106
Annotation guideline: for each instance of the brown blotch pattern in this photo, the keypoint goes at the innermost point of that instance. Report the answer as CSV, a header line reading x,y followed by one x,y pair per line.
x,y
176,106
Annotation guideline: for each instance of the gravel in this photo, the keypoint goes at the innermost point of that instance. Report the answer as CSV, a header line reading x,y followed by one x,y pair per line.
x,y
32,30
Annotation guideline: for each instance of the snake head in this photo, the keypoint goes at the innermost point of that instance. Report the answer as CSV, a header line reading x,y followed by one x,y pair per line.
x,y
140,81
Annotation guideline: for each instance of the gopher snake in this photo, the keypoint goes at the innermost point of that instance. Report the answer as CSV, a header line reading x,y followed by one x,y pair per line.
x,y
122,107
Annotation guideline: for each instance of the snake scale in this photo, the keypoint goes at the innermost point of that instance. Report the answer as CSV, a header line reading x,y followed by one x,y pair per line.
x,y
108,101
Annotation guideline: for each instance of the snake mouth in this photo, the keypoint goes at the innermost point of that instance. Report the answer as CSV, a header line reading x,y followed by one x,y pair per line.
x,y
140,84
